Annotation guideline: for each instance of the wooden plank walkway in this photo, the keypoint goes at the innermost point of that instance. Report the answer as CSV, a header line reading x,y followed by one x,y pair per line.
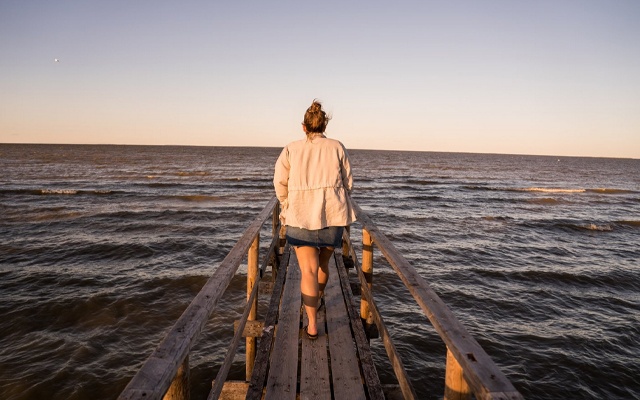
x,y
330,367
286,364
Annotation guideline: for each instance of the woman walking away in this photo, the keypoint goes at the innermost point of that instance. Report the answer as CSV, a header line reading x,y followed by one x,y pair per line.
x,y
313,180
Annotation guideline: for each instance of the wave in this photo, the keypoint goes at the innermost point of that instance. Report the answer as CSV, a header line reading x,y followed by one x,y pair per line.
x,y
544,200
22,217
196,197
422,182
572,225
587,278
586,227
58,191
635,224
494,218
488,188
596,227
567,190
551,190
611,191
192,173
422,198
602,226
67,192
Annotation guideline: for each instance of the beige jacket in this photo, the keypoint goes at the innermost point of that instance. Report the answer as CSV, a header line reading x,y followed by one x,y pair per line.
x,y
313,180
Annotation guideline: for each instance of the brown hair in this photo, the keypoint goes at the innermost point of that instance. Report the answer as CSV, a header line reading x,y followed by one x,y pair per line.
x,y
315,119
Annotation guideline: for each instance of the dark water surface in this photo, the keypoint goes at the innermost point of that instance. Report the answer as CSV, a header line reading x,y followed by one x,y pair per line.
x,y
102,248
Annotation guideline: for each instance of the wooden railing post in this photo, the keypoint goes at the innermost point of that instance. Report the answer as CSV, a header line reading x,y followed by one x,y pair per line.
x,y
455,386
367,270
274,258
179,389
346,251
252,277
275,220
282,239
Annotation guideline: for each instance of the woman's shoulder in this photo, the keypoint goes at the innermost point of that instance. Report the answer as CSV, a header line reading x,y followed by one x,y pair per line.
x,y
337,145
333,142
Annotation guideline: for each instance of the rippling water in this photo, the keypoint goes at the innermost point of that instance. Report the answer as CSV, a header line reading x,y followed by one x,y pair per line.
x,y
102,248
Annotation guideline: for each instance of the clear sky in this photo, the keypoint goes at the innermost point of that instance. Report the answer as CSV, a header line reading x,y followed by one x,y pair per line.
x,y
559,77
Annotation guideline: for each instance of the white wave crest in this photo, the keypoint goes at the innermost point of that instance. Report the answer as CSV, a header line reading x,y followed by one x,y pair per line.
x,y
553,190
58,191
594,227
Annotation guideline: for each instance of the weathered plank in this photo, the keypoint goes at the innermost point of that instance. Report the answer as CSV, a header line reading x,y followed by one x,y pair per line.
x,y
314,364
261,365
283,365
374,388
233,390
482,374
251,328
345,372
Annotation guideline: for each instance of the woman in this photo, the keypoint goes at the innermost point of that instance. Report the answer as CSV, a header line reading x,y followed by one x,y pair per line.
x,y
312,181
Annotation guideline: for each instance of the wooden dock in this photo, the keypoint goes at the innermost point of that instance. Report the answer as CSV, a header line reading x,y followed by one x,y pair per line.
x,y
282,363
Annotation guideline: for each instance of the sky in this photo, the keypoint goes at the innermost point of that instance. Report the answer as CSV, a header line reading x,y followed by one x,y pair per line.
x,y
558,77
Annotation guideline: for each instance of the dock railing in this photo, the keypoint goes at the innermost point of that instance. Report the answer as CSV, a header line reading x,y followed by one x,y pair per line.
x,y
165,374
469,370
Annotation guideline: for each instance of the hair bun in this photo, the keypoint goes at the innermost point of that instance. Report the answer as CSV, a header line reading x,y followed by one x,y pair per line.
x,y
315,119
315,107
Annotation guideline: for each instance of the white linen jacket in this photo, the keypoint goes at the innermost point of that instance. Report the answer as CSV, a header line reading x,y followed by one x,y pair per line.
x,y
313,180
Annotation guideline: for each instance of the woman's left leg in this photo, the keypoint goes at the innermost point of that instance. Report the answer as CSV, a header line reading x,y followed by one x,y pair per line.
x,y
309,261
323,272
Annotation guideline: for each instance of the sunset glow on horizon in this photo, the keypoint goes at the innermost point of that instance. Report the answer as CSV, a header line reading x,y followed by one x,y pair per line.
x,y
547,78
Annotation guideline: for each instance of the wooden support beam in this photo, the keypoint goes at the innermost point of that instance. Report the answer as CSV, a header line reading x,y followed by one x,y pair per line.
x,y
346,242
367,270
179,389
455,386
252,277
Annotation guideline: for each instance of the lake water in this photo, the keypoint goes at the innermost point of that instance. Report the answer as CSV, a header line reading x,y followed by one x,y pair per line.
x,y
103,247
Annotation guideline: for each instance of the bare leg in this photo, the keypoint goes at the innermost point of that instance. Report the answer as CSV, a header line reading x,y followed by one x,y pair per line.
x,y
323,272
308,258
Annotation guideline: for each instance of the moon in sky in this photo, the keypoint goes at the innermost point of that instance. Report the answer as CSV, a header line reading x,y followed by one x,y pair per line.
x,y
56,60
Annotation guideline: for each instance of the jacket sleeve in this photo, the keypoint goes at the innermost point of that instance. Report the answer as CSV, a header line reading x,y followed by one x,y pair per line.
x,y
347,178
281,176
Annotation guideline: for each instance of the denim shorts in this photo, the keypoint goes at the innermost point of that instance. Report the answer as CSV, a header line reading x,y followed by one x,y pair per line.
x,y
327,237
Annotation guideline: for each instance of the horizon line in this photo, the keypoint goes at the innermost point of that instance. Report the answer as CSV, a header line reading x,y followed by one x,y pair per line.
x,y
349,149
